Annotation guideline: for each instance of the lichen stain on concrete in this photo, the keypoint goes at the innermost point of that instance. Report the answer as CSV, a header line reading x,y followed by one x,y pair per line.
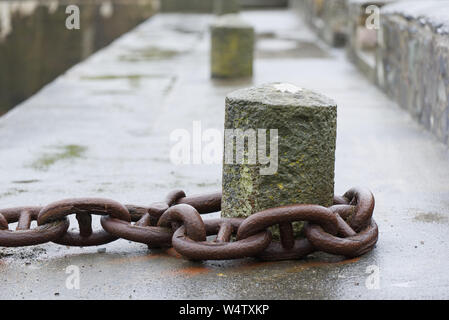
x,y
133,79
183,30
12,192
150,53
208,184
66,152
431,217
100,190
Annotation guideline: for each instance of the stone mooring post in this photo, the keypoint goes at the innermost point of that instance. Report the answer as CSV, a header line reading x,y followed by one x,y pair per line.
x,y
232,47
222,7
293,133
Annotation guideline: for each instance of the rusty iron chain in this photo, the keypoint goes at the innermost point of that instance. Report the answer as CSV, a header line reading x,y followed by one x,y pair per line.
x,y
346,228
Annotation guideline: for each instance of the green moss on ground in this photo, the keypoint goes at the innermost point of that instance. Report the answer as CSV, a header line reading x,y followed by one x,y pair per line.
x,y
64,153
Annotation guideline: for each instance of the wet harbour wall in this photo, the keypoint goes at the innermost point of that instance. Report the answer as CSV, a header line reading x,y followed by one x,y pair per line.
x,y
36,46
406,55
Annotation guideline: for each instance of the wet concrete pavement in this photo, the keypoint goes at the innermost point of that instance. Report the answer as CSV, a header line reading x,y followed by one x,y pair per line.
x,y
102,129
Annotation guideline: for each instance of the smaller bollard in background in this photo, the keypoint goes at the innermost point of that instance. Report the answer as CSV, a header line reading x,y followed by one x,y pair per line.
x,y
232,47
301,162
222,7
190,6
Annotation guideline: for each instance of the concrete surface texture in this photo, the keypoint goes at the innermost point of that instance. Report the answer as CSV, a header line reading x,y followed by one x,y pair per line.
x,y
103,129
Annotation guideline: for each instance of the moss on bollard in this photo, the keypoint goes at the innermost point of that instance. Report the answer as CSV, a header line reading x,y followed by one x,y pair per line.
x,y
232,47
222,7
302,169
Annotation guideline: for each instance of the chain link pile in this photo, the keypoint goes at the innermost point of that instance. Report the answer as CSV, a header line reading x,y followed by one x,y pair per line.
x,y
346,228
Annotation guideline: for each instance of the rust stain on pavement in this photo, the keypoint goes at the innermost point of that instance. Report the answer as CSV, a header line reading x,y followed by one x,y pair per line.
x,y
314,264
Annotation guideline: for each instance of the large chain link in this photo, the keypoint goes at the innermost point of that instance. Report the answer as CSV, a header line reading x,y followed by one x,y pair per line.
x,y
346,228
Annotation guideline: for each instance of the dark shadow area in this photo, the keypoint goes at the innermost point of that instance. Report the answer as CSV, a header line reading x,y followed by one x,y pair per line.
x,y
36,46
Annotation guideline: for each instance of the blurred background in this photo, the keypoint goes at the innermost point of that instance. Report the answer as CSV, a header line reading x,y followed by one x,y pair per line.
x,y
35,49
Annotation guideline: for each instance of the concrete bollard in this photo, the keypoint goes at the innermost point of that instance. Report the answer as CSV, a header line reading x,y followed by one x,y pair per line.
x,y
304,149
222,7
232,47
197,6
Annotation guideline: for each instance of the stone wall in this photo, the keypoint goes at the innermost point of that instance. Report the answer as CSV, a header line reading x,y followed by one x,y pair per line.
x,y
327,17
342,23
363,35
407,56
414,61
